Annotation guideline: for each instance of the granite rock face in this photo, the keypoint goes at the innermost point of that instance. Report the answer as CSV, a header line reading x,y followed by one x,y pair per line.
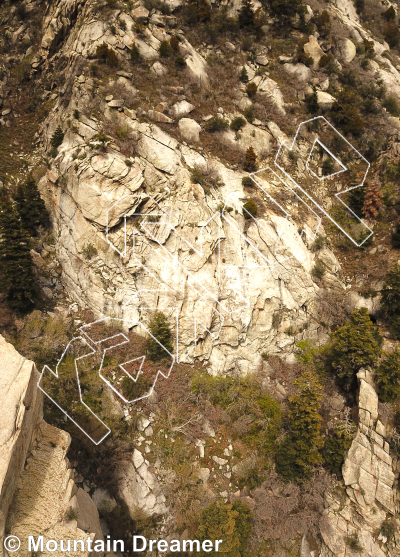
x,y
369,478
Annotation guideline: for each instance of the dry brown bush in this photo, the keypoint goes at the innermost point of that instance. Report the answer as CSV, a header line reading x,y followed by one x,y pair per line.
x,y
283,511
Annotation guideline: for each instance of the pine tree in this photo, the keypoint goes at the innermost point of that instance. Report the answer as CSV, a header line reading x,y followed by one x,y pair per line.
x,y
227,522
244,76
299,451
387,377
159,328
57,138
17,275
250,161
355,345
246,14
31,207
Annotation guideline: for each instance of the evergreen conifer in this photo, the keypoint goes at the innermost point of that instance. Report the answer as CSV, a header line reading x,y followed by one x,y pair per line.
x,y
227,522
250,161
298,452
159,328
246,14
244,76
57,138
31,207
17,275
355,345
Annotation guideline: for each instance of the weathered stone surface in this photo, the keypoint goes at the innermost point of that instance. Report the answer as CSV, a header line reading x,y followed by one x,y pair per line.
x,y
262,60
159,69
298,71
140,14
250,136
325,100
189,130
181,108
159,117
348,51
313,49
104,502
21,404
368,399
270,88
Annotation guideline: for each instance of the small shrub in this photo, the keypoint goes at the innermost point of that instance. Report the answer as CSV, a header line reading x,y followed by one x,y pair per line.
x,y
319,243
107,55
323,23
353,543
89,251
71,514
391,105
165,49
237,123
251,89
174,42
180,62
244,76
392,34
250,209
122,24
247,43
247,182
387,529
319,270
250,161
359,5
207,176
390,301
76,114
249,113
216,124
345,112
135,54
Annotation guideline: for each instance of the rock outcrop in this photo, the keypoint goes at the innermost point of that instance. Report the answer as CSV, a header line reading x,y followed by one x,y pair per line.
x,y
370,496
38,493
